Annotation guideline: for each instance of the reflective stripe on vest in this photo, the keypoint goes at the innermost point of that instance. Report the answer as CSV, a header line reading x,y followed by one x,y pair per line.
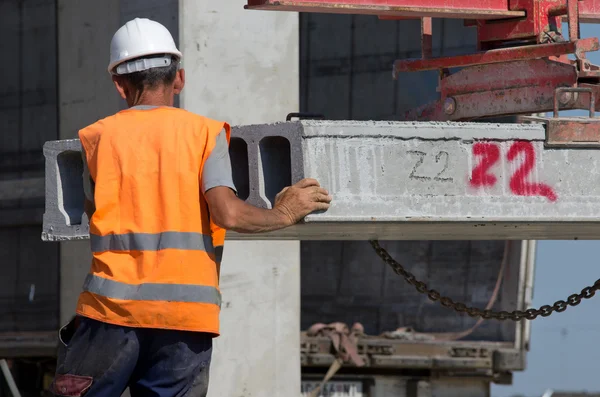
x,y
152,242
152,291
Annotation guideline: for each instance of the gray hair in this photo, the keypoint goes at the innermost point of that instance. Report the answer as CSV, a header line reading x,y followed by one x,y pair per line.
x,y
152,78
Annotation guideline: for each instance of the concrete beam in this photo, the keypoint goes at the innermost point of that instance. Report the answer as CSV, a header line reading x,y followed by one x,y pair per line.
x,y
64,217
395,180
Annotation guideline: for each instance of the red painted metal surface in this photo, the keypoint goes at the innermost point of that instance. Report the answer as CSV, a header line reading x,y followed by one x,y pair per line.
x,y
426,37
571,131
541,16
521,68
589,11
478,9
498,56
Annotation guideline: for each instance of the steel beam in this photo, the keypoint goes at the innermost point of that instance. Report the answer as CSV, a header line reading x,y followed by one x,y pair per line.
x,y
391,180
498,56
463,9
589,10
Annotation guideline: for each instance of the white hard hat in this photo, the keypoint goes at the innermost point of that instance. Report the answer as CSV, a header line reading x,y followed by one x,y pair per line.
x,y
141,37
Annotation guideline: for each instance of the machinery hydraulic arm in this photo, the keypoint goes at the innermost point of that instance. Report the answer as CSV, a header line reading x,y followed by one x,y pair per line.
x,y
521,66
589,10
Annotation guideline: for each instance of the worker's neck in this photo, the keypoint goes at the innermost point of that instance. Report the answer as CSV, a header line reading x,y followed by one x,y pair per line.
x,y
158,97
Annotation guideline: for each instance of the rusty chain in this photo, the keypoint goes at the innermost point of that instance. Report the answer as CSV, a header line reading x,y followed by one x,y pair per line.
x,y
516,315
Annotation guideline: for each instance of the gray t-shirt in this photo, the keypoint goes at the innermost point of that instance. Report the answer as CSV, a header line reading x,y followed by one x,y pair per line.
x,y
217,168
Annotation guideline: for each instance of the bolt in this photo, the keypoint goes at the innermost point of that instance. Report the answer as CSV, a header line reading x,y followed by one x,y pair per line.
x,y
565,97
449,106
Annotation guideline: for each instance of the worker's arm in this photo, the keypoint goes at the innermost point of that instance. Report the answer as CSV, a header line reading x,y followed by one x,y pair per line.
x,y
231,213
291,205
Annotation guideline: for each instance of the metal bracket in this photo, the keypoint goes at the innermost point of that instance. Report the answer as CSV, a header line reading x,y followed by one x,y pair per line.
x,y
570,132
304,116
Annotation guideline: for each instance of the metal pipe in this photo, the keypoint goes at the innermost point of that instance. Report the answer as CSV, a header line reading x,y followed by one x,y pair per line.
x,y
573,17
9,378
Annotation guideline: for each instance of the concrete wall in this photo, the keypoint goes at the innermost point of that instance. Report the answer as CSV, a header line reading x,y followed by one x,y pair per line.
x,y
28,118
242,67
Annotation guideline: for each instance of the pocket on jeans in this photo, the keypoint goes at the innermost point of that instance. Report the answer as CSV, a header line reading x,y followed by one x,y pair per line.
x,y
68,385
65,335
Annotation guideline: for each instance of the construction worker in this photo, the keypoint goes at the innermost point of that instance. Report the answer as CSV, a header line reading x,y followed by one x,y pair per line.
x,y
159,196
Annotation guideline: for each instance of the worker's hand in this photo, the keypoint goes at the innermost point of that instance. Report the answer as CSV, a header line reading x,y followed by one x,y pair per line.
x,y
296,201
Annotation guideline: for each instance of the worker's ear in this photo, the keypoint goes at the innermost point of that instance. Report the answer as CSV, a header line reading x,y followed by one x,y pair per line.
x,y
179,81
120,85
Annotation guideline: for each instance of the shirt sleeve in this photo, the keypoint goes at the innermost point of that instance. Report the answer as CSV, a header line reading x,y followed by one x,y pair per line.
x,y
88,184
217,168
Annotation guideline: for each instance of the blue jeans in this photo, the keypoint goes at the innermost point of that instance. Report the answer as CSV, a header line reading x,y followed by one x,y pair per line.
x,y
98,359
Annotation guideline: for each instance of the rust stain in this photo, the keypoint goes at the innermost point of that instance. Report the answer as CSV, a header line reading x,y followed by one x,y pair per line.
x,y
367,7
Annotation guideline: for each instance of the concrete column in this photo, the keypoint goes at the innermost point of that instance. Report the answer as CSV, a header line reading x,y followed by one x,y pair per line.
x,y
86,94
243,67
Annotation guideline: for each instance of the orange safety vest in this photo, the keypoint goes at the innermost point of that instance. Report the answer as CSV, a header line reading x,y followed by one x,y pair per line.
x,y
154,246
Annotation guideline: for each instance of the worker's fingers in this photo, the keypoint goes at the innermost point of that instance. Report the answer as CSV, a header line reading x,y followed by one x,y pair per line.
x,y
320,206
307,182
323,198
319,190
282,191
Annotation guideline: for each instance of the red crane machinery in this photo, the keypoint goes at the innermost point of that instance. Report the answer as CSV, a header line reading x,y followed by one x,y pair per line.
x,y
522,64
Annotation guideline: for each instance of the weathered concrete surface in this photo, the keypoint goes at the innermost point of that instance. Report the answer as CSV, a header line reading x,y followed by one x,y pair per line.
x,y
64,214
397,180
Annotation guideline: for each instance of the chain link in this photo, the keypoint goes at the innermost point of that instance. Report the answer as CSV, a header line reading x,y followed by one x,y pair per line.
x,y
516,315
